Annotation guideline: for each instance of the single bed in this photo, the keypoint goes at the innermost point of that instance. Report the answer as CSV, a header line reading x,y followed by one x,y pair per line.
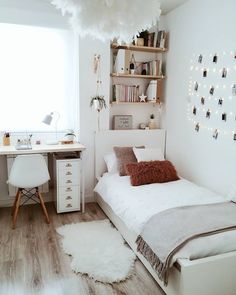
x,y
130,207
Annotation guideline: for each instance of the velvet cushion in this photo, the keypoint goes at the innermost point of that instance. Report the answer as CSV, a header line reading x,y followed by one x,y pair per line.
x,y
151,172
124,156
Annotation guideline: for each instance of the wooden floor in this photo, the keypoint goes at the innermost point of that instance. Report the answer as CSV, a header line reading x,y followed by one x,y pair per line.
x,y
31,255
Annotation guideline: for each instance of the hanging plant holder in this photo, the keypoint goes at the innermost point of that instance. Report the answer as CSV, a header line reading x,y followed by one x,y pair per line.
x,y
98,101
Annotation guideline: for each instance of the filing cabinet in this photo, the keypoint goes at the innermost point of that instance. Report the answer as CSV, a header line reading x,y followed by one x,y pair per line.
x,y
67,184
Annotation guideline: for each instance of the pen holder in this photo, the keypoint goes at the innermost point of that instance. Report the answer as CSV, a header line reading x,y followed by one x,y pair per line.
x,y
6,140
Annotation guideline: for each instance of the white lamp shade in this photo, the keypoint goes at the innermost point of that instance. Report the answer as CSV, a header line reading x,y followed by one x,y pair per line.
x,y
48,119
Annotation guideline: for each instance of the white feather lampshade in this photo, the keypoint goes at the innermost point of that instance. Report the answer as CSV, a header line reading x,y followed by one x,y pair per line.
x,y
108,19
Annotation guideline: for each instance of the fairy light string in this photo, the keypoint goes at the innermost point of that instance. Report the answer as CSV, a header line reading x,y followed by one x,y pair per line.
x,y
212,94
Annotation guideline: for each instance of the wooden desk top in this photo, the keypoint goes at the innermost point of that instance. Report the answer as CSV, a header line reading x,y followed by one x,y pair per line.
x,y
42,148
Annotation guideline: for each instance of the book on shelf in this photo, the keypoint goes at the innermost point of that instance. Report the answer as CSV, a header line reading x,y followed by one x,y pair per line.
x,y
161,39
155,40
153,68
150,39
125,93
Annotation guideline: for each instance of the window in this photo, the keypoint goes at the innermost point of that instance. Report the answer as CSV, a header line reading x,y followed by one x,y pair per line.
x,y
37,76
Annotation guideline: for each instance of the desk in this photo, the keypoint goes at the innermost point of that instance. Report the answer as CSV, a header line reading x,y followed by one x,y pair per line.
x,y
40,149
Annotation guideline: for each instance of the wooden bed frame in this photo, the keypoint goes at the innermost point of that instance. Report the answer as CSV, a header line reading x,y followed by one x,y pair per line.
x,y
214,275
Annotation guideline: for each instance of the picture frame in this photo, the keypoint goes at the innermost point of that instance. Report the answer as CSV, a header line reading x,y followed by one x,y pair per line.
x,y
122,122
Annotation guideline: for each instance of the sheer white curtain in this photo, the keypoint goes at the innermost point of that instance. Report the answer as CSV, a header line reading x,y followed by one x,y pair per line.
x,y
38,75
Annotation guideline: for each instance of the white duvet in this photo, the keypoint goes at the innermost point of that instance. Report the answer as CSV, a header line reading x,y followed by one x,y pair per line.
x,y
136,204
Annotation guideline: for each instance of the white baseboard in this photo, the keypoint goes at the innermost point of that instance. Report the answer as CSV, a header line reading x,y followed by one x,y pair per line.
x,y
89,199
8,201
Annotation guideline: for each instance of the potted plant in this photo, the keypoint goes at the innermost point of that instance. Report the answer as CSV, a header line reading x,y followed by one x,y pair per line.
x,y
98,102
152,124
144,36
70,135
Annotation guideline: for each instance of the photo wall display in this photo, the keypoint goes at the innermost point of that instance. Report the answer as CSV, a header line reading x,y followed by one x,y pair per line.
x,y
212,93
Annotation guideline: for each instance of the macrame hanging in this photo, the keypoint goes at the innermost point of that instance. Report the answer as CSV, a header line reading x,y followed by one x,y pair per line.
x,y
97,71
98,101
108,19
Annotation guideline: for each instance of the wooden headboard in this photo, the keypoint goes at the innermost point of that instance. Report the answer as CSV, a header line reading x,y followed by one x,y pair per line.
x,y
106,140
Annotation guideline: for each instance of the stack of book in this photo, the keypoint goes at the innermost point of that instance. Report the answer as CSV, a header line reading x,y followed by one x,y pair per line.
x,y
153,39
151,68
125,93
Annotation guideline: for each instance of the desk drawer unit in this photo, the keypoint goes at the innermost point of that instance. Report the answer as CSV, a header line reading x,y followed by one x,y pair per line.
x,y
67,183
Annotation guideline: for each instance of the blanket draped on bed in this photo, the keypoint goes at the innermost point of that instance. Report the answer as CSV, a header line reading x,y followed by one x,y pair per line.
x,y
168,231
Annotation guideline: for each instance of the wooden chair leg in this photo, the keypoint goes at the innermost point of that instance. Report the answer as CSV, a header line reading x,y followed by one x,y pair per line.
x,y
43,207
16,210
14,205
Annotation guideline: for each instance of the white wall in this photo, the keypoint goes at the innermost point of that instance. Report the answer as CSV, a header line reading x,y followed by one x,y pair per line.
x,y
87,88
195,27
31,12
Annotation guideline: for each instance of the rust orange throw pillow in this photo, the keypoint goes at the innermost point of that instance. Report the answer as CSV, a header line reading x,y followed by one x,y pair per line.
x,y
151,172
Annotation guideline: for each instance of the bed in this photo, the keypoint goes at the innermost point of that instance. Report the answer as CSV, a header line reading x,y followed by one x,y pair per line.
x,y
214,274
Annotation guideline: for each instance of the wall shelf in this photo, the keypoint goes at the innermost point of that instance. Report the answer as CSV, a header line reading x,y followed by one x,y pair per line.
x,y
138,76
135,103
139,48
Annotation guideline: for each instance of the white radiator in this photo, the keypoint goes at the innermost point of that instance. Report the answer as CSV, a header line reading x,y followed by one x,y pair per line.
x,y
11,189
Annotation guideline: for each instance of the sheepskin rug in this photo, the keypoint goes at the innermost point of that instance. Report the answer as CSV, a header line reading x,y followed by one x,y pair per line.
x,y
98,250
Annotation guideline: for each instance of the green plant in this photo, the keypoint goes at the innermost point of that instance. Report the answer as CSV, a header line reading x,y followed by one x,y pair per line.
x,y
152,116
143,34
70,132
101,101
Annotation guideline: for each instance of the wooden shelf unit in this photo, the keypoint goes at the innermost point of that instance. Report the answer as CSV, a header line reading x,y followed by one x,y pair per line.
x,y
139,48
160,78
135,103
137,76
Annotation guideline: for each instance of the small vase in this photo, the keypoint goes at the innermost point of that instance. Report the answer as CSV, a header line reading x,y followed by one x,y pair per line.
x,y
140,42
152,124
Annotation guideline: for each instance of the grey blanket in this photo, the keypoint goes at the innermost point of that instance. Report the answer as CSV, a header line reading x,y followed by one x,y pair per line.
x,y
168,231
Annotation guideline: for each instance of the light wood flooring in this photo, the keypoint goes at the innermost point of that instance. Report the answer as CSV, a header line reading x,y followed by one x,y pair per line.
x,y
31,255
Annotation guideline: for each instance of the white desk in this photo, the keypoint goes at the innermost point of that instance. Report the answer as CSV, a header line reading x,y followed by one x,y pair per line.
x,y
40,149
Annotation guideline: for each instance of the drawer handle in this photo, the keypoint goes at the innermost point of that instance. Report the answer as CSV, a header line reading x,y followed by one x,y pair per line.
x,y
68,205
68,189
68,173
68,181
68,165
68,198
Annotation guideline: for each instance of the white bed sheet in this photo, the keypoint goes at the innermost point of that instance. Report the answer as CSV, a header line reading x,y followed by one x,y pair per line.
x,y
135,205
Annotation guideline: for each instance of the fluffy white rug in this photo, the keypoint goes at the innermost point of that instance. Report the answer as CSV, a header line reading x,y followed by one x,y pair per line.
x,y
97,249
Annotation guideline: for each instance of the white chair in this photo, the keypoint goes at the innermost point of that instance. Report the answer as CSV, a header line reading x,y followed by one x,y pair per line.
x,y
28,172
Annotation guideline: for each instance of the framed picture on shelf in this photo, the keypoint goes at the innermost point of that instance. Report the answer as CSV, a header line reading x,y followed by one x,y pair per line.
x,y
122,122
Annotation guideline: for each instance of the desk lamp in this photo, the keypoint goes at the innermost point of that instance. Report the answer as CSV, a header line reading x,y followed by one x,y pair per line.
x,y
48,120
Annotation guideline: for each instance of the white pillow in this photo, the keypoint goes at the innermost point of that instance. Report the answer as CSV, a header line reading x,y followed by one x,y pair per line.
x,y
148,154
111,162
